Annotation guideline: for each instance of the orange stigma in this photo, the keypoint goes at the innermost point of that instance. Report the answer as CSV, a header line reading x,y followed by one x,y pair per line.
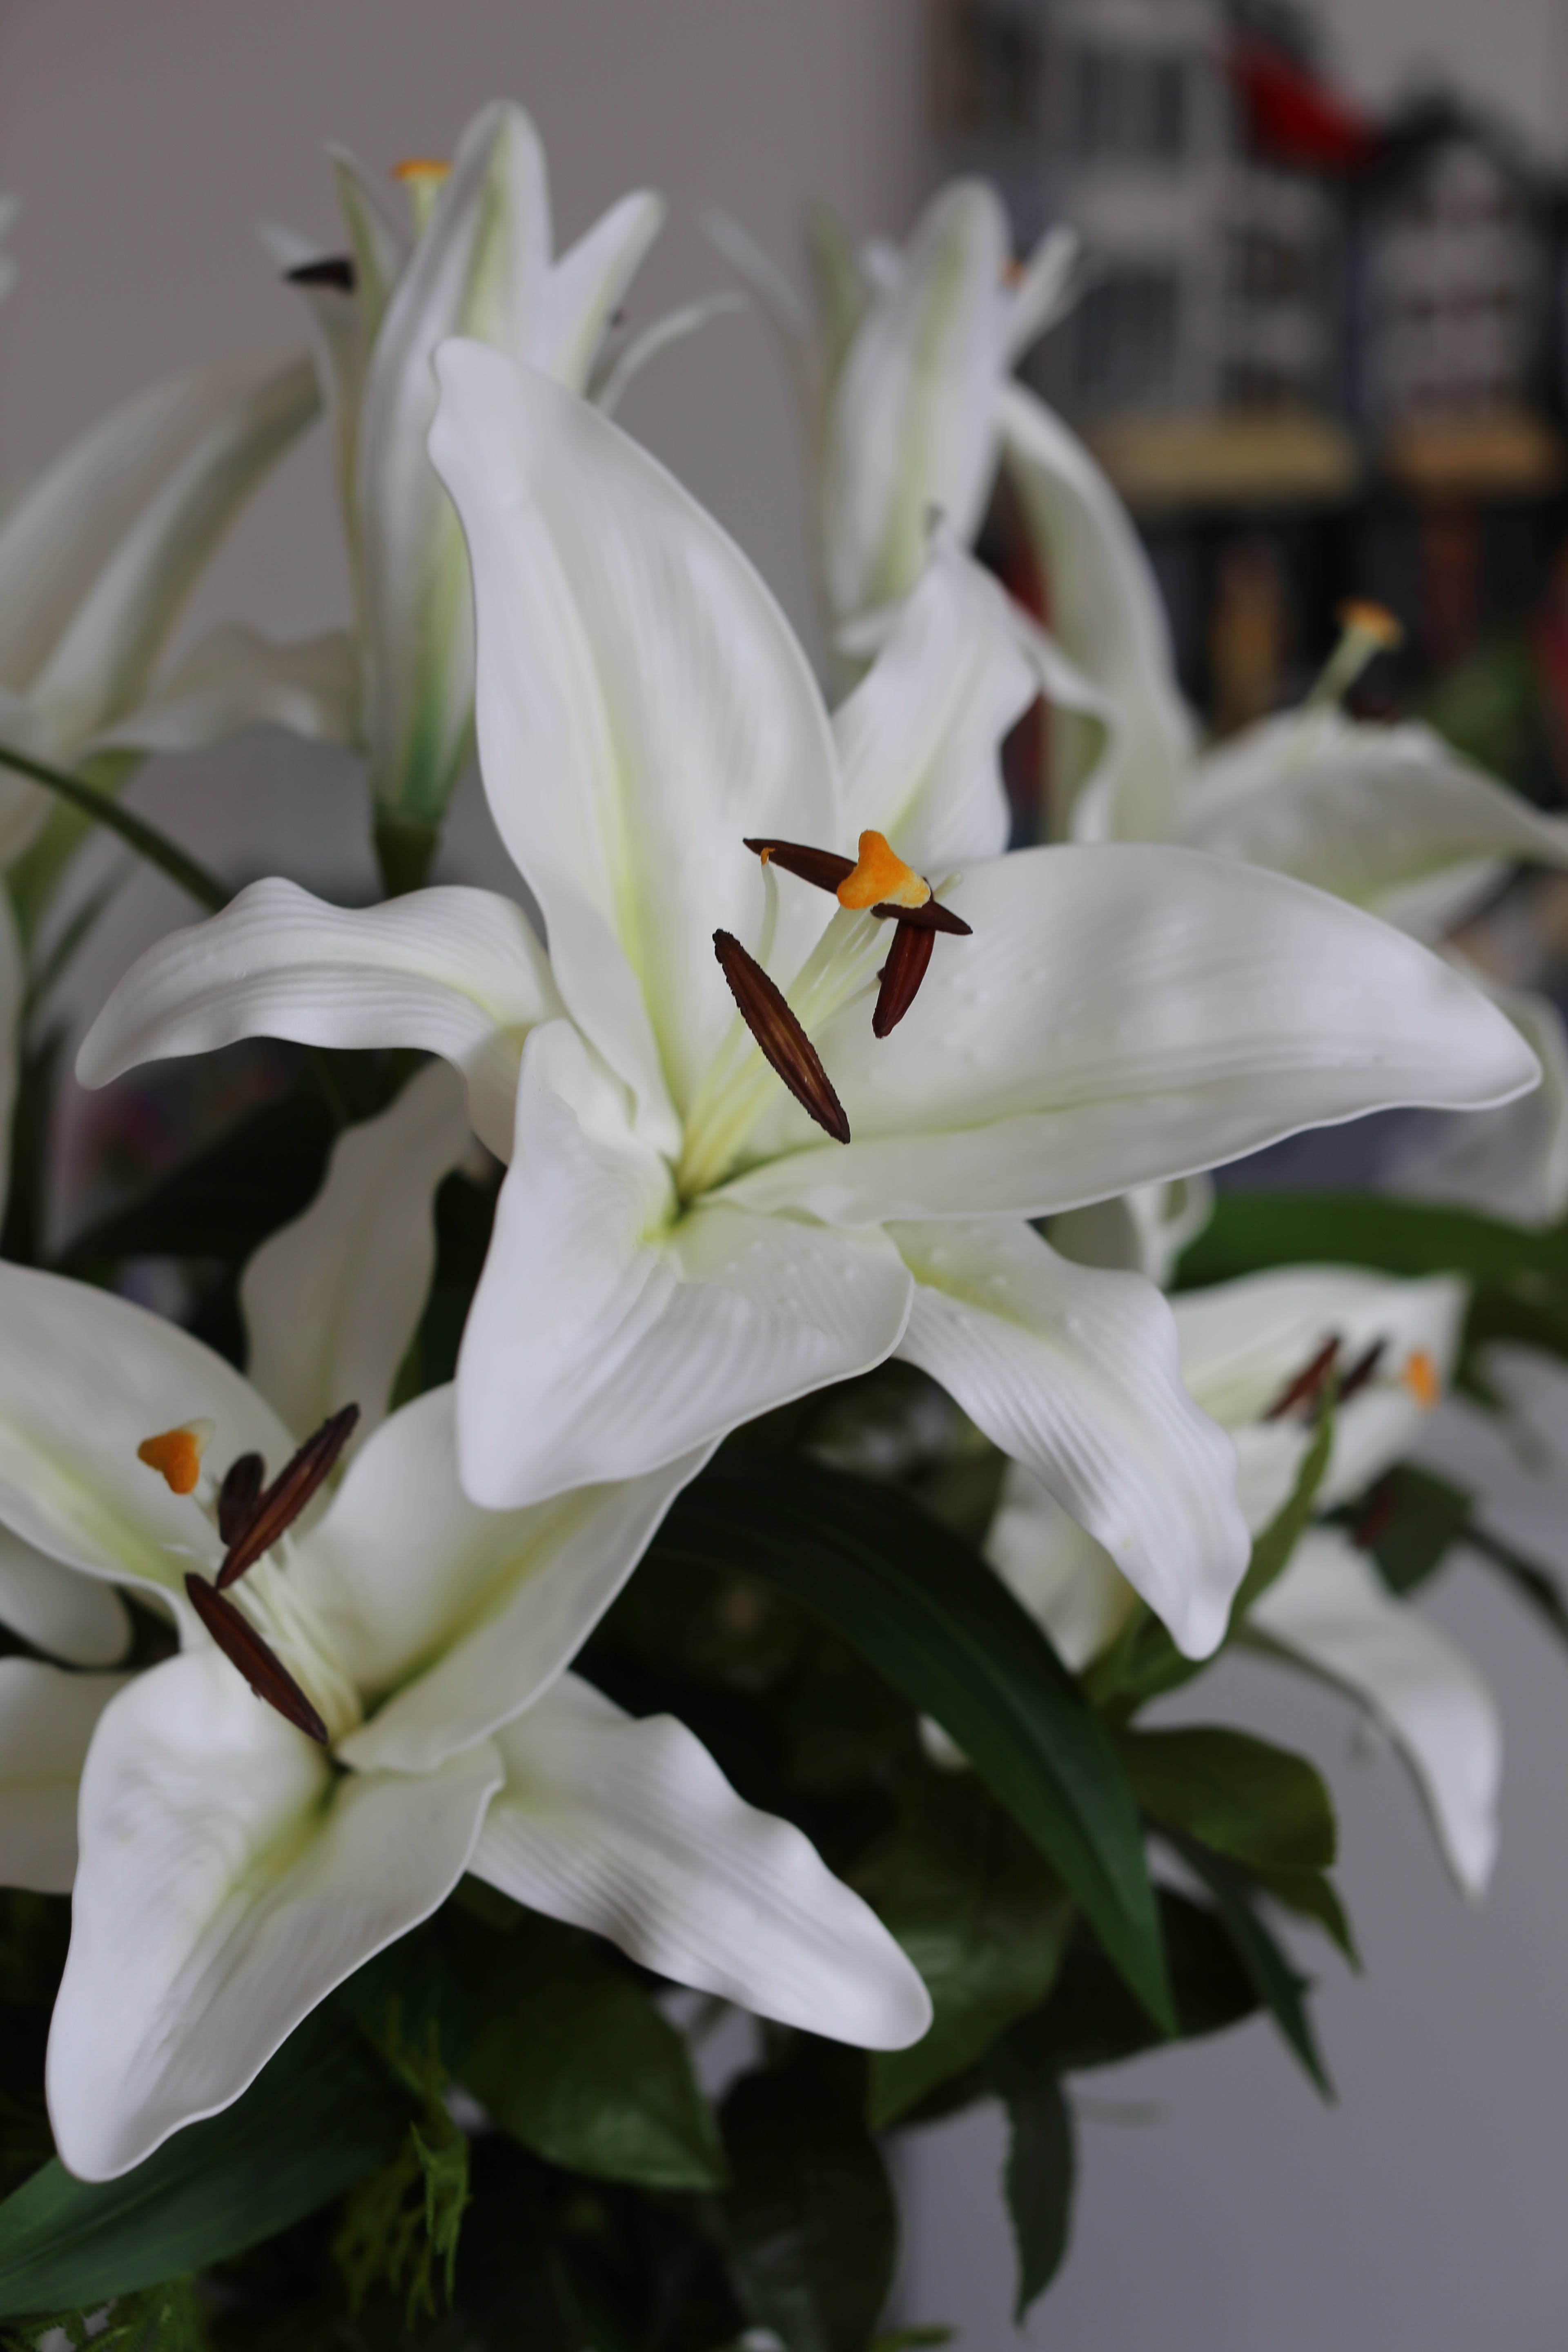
x,y
422,168
176,1455
1374,621
881,879
1422,1378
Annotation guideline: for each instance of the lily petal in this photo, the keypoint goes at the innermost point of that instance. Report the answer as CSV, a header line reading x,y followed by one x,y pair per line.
x,y
1068,1583
911,424
1042,292
642,1338
1377,815
99,558
70,1616
642,706
237,678
1330,1611
46,1721
13,996
379,237
630,1828
1124,1014
361,1258
84,1378
1511,1162
226,1883
584,289
453,971
920,738
479,268
1075,1373
1106,614
453,1618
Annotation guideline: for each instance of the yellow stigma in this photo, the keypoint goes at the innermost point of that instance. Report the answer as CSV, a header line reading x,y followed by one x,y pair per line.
x,y
176,1455
423,177
881,879
418,168
1422,1378
1374,623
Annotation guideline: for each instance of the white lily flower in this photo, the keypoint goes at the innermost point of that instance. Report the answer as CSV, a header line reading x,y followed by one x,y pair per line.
x,y
676,1248
99,556
1252,1353
239,1859
480,265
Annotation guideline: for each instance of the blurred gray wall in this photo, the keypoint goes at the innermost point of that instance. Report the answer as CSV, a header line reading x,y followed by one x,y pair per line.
x,y
1222,2207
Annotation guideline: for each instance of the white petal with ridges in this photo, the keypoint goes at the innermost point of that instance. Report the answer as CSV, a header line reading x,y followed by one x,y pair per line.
x,y
1075,1372
911,424
1124,1014
331,1301
1332,1612
58,1609
642,706
1069,1583
451,1619
920,738
46,1721
453,971
630,1828
226,1883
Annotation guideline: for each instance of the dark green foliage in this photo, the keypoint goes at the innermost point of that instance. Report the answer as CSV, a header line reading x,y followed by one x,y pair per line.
x,y
1039,2178
925,1611
1268,1965
809,2219
1239,1795
984,1920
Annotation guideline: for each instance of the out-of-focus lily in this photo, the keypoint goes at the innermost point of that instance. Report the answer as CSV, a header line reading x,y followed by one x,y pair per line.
x,y
8,210
678,1245
238,1860
1262,1354
472,258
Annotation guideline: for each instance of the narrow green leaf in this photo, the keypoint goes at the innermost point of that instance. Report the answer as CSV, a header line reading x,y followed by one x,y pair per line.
x,y
1258,1804
909,2339
809,2222
1276,1982
320,2115
143,838
1413,1519
925,1610
1250,1231
569,2054
1312,1894
1039,2171
984,1919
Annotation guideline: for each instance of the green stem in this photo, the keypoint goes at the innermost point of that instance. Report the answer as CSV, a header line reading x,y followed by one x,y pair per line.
x,y
143,838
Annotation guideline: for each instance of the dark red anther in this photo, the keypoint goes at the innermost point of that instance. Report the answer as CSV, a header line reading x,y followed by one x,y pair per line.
x,y
245,1651
824,867
238,1496
783,1043
907,960
280,1506
1374,1522
1308,1384
932,917
336,270
1361,1370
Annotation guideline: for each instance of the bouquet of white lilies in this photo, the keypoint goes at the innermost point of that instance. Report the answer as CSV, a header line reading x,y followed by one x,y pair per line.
x,y
713,1389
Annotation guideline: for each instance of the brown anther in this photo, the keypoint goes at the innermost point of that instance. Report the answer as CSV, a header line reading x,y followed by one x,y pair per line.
x,y
1308,1384
932,917
823,868
782,1040
334,269
238,1496
245,1651
280,1506
1377,1517
1361,1370
908,957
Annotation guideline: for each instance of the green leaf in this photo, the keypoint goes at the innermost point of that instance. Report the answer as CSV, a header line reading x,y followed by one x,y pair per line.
x,y
1090,2020
257,1174
143,838
569,2054
982,1918
809,2220
1258,1804
1039,2173
1413,1520
1250,1231
1276,1982
926,1611
909,2339
1312,1894
319,2116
